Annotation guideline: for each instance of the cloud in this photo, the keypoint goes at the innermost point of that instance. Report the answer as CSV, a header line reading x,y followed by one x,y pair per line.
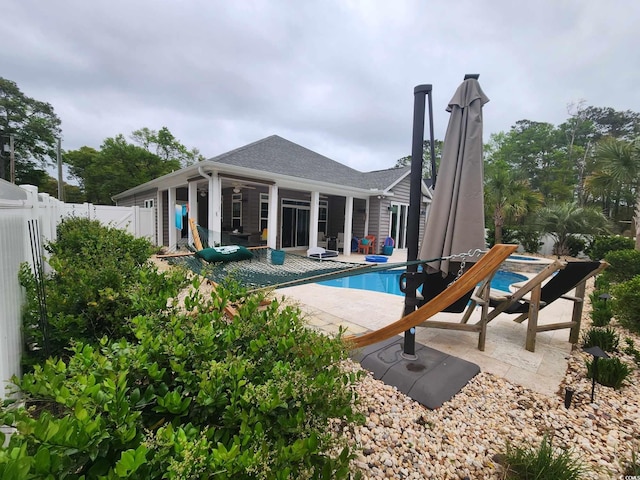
x,y
334,76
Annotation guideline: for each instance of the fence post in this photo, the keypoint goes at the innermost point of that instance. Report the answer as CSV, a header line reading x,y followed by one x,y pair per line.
x,y
136,222
45,216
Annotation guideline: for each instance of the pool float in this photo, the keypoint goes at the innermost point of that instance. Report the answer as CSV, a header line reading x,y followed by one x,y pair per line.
x,y
376,258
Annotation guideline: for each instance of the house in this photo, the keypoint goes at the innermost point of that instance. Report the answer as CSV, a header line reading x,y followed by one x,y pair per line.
x,y
276,192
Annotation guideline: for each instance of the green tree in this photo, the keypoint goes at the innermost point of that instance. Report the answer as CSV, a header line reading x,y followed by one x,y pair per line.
x,y
508,197
72,193
118,166
612,123
617,178
166,146
538,150
426,157
35,129
564,220
579,133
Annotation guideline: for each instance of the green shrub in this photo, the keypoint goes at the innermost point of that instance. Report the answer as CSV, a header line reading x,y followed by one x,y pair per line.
x,y
600,246
626,304
508,235
624,265
601,311
602,282
529,237
96,243
542,463
612,372
601,317
605,338
101,278
196,395
631,349
575,245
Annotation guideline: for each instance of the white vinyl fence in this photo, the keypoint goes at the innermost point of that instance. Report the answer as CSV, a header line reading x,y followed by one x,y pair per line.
x,y
19,206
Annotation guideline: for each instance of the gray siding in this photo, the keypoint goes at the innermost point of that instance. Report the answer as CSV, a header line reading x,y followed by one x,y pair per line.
x,y
138,199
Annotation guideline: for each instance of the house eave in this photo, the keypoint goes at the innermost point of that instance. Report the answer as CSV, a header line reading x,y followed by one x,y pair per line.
x,y
181,177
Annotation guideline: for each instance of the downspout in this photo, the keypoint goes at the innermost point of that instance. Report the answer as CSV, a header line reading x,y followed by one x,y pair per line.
x,y
203,173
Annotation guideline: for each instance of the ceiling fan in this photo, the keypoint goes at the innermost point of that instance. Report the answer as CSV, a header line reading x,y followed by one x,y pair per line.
x,y
237,187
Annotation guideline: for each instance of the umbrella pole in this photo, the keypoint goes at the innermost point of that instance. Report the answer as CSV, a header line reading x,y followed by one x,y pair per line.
x,y
413,218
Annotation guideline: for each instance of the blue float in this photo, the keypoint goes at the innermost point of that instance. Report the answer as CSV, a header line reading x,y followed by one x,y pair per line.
x,y
376,258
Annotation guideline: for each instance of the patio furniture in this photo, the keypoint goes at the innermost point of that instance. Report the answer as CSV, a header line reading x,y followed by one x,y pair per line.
x,y
319,252
481,271
367,245
323,241
387,247
554,282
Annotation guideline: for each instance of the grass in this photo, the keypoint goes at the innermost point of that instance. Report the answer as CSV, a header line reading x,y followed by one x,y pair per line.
x,y
543,463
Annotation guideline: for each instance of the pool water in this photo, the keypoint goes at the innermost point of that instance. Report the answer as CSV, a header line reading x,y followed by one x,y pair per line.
x,y
522,258
388,281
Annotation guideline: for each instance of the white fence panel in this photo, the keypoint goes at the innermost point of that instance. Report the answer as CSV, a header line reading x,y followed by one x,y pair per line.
x,y
12,254
17,206
138,221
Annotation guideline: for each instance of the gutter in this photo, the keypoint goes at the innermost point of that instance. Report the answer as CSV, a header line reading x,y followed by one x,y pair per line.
x,y
203,173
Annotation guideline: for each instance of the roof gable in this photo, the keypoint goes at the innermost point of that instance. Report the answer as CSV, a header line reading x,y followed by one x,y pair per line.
x,y
275,154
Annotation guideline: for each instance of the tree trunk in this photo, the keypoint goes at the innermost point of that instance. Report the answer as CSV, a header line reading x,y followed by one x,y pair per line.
x,y
498,222
636,221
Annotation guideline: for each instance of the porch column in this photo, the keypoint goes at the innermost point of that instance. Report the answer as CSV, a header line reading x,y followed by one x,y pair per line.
x,y
272,222
193,208
348,222
160,220
367,213
171,217
214,218
315,216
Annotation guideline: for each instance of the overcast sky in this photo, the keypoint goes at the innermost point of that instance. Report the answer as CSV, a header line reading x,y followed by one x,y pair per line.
x,y
336,76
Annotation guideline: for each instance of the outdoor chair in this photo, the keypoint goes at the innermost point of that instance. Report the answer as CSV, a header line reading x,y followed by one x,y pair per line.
x,y
554,282
322,240
367,245
319,252
340,241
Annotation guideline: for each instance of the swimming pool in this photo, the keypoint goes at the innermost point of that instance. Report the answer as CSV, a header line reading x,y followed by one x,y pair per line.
x,y
387,281
522,258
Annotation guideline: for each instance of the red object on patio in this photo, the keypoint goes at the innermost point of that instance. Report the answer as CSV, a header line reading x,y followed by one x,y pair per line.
x,y
367,245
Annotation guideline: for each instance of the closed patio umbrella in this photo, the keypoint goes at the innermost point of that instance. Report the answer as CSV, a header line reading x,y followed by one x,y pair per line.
x,y
456,219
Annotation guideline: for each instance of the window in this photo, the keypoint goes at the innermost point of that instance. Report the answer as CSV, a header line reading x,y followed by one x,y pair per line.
x,y
264,211
236,210
323,213
149,203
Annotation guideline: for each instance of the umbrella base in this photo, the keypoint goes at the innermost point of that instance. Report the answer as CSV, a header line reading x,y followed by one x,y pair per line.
x,y
431,379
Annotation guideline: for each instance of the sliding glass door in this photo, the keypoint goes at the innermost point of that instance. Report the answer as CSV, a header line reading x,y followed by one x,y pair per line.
x,y
295,223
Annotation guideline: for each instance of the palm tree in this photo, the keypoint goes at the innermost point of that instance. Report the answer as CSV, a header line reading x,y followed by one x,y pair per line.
x,y
508,198
563,220
618,171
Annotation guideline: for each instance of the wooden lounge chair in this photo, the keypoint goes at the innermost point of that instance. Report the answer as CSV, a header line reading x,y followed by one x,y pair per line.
x,y
554,282
482,270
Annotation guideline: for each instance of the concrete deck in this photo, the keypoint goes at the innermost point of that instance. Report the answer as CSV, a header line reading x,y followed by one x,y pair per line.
x,y
330,308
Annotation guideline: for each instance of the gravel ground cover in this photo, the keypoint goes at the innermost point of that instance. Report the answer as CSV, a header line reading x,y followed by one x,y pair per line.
x,y
465,438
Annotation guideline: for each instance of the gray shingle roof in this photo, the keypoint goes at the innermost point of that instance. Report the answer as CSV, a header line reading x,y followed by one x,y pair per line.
x,y
275,154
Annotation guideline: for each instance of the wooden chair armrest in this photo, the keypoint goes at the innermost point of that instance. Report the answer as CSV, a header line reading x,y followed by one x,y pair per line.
x,y
478,300
572,298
